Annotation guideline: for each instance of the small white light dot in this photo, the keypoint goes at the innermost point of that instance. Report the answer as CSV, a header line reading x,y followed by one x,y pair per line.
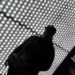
x,y
9,3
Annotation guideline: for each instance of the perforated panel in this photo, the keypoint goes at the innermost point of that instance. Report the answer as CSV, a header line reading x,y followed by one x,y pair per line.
x,y
19,19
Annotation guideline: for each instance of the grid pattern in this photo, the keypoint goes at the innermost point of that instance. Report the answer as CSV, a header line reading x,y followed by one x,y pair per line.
x,y
19,19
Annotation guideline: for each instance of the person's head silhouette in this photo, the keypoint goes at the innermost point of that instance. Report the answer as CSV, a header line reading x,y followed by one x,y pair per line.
x,y
49,32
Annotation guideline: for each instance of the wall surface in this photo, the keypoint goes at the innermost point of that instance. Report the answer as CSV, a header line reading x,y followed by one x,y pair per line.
x,y
19,19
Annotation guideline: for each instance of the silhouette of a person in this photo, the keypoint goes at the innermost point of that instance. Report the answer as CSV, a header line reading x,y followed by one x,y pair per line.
x,y
33,55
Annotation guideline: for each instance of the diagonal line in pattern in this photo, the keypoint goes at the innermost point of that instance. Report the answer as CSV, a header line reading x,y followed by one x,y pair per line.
x,y
9,17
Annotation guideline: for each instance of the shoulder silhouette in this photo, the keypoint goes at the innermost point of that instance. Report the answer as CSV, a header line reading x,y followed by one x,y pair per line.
x,y
33,55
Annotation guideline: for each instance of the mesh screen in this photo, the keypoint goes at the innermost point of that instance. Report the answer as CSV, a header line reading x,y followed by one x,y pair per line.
x,y
19,19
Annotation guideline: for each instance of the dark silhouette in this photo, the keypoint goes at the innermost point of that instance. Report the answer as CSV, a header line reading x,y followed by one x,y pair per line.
x,y
67,67
33,55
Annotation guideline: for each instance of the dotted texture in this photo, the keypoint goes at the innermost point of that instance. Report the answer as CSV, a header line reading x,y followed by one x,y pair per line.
x,y
19,19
